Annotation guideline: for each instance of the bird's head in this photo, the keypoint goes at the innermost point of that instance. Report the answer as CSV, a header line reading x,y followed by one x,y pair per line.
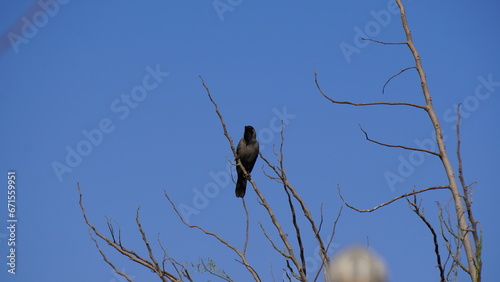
x,y
250,133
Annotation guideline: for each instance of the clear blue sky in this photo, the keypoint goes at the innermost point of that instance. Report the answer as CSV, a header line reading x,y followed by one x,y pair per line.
x,y
108,95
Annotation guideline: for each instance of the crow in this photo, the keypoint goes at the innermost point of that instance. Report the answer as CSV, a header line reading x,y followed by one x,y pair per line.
x,y
248,150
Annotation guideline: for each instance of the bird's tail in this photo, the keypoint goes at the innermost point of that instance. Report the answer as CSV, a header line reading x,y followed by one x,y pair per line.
x,y
241,186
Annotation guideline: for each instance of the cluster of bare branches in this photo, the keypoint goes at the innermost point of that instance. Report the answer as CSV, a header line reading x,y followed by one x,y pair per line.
x,y
292,252
457,236
466,235
115,241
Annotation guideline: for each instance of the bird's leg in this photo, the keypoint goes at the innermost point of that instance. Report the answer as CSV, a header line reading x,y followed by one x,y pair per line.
x,y
248,176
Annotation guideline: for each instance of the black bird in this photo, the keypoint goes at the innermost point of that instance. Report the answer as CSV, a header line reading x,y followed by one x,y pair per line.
x,y
248,150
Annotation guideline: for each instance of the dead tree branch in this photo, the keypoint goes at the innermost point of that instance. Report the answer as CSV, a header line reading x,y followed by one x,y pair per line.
x,y
175,264
144,238
123,274
226,243
334,228
220,118
468,201
286,256
297,230
415,207
396,146
164,275
388,202
455,254
281,174
290,203
247,226
363,104
385,43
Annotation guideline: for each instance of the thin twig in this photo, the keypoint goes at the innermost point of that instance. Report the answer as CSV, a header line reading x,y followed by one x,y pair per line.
x,y
220,116
400,72
323,264
290,203
291,270
393,200
416,209
286,256
120,245
281,173
121,249
247,226
447,242
454,255
468,200
144,238
171,260
111,229
396,146
364,104
277,179
320,218
227,244
385,43
334,227
297,230
123,274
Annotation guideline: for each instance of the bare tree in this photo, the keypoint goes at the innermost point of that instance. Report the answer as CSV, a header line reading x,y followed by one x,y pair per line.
x,y
467,236
460,235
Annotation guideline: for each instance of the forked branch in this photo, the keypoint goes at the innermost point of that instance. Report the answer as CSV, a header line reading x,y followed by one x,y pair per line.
x,y
468,201
280,173
105,258
152,265
226,243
